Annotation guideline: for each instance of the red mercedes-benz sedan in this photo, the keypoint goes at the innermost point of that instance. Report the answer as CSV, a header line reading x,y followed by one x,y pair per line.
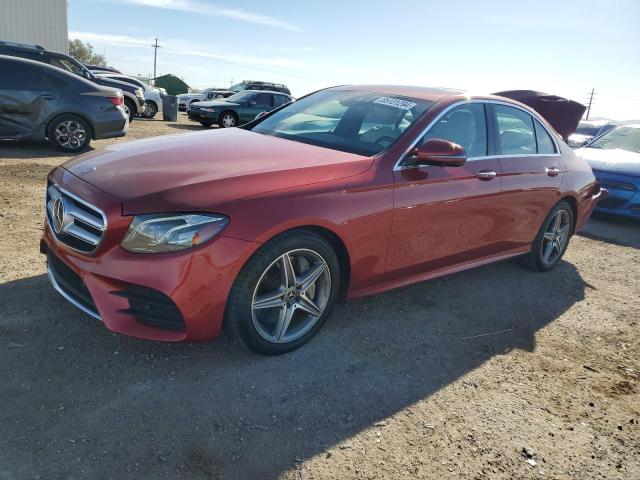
x,y
347,192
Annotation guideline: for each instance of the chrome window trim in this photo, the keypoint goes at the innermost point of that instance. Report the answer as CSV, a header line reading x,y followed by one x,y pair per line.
x,y
398,165
85,203
68,297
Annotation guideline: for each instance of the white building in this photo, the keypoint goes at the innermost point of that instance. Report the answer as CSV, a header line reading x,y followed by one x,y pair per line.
x,y
43,22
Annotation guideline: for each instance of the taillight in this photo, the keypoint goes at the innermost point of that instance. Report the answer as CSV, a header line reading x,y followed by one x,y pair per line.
x,y
116,100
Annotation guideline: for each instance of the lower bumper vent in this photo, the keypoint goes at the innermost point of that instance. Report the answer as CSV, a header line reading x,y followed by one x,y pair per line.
x,y
151,307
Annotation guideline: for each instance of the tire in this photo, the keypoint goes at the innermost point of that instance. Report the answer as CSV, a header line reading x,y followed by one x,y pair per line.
x,y
129,108
264,329
69,133
552,239
228,119
206,124
150,110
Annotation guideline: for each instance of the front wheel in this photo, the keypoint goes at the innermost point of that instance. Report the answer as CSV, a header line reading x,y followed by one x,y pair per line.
x,y
150,109
284,293
552,239
228,120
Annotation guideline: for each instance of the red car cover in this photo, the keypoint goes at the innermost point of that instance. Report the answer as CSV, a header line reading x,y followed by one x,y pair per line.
x,y
563,114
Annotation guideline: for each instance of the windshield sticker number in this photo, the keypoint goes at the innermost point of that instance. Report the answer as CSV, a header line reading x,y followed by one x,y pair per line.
x,y
395,102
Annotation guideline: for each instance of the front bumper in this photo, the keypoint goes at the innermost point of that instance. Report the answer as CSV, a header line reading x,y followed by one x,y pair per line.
x,y
201,116
133,294
624,195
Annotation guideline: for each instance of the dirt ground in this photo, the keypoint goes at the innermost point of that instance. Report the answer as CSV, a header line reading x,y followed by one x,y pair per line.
x,y
492,373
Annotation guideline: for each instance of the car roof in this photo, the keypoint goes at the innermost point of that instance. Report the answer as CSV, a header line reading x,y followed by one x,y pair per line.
x,y
56,70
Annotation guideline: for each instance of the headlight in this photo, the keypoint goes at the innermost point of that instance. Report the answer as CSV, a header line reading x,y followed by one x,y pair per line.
x,y
167,232
208,109
139,93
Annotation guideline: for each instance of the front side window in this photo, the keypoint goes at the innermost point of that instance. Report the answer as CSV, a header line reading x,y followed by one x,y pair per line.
x,y
515,131
545,144
364,123
624,138
465,125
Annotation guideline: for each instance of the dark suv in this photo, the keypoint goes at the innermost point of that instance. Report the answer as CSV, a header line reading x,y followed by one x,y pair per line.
x,y
258,85
38,101
133,96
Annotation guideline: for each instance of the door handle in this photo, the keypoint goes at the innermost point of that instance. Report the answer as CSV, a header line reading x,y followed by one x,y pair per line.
x,y
552,171
486,175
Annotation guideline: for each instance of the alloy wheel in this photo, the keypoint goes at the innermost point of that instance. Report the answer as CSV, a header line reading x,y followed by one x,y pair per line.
x,y
556,237
70,134
291,295
228,121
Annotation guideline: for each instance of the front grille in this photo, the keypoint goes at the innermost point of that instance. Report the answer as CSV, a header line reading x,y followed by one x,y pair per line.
x,y
152,307
70,285
74,222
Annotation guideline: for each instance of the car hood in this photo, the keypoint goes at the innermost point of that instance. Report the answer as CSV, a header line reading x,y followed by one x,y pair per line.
x,y
128,87
614,160
202,170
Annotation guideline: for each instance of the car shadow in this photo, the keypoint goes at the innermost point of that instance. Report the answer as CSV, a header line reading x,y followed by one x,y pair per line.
x,y
623,231
211,410
12,149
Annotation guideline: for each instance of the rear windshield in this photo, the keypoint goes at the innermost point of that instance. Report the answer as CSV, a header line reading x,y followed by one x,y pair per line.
x,y
364,123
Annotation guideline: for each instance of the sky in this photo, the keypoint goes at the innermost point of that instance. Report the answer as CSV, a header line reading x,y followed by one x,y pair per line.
x,y
564,47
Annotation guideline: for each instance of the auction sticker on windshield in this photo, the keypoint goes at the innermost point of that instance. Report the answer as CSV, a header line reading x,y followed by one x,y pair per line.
x,y
395,102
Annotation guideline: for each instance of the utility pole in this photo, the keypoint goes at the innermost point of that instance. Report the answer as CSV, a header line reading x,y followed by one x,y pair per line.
x,y
155,56
590,102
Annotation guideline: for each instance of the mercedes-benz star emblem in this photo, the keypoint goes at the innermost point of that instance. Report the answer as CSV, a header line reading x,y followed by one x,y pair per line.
x,y
58,215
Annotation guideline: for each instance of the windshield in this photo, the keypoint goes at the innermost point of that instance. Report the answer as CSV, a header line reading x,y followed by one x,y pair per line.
x,y
625,138
241,97
238,87
364,123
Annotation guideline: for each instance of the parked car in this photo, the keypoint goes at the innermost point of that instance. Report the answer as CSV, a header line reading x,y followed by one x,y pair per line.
x,y
101,68
133,96
589,130
615,160
186,99
152,95
348,191
258,85
237,109
38,101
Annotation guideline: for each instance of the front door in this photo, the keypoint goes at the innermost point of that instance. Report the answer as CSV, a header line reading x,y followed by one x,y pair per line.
x,y
445,216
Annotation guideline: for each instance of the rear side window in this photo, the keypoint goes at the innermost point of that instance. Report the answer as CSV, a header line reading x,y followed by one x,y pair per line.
x,y
21,76
545,144
515,131
465,125
279,100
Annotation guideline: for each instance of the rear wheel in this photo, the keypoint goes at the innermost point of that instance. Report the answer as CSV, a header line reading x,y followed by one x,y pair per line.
x,y
69,133
284,293
552,239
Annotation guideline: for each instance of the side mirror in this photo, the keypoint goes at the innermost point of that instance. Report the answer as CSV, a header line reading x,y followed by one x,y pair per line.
x,y
251,103
440,152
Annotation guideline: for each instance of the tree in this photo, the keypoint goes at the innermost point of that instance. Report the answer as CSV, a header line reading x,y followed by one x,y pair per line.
x,y
83,52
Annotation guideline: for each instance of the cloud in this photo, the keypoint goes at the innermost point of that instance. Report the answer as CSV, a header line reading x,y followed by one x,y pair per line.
x,y
202,8
181,47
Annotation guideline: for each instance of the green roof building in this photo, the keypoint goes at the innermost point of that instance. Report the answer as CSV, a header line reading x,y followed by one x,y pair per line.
x,y
172,84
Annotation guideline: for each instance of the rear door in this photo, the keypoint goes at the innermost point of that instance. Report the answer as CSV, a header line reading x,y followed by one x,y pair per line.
x,y
532,170
25,99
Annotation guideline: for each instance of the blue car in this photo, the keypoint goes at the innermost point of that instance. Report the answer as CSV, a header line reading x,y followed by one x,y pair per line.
x,y
615,160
